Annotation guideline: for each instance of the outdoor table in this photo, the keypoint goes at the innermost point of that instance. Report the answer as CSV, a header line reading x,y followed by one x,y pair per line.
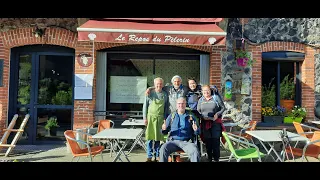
x,y
116,134
134,124
271,137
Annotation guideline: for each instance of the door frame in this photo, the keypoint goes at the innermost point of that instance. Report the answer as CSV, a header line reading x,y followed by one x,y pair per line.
x,y
35,52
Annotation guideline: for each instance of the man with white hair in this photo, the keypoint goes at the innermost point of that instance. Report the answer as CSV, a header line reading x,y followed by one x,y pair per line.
x,y
155,110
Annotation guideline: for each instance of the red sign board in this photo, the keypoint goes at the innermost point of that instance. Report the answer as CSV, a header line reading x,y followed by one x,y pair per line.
x,y
148,38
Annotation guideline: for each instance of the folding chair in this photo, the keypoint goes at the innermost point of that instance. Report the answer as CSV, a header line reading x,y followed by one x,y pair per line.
x,y
246,153
77,151
19,132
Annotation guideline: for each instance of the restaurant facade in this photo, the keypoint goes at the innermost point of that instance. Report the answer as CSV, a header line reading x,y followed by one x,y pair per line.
x,y
81,70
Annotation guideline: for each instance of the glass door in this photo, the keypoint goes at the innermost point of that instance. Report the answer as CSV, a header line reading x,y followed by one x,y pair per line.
x,y
53,105
41,84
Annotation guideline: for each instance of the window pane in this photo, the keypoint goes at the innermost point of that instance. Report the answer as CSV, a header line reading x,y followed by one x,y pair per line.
x,y
166,69
63,119
24,81
55,80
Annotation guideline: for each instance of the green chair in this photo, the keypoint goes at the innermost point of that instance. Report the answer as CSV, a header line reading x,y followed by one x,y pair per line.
x,y
251,152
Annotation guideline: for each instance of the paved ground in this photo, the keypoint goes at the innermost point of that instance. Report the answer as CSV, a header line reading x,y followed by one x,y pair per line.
x,y
59,153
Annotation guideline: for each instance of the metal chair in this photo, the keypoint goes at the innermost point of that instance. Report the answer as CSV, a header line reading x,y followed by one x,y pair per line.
x,y
79,152
312,148
102,125
299,129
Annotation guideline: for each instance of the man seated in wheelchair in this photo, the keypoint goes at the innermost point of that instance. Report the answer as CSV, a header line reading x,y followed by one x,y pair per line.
x,y
181,127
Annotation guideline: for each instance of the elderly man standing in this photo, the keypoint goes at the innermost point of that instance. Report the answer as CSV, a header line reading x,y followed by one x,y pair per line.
x,y
155,110
174,91
181,128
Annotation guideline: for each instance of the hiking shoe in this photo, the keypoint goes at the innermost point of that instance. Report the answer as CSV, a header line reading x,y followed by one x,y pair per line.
x,y
149,160
156,159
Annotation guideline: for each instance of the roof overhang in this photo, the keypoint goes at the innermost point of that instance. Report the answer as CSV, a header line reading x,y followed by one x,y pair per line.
x,y
153,31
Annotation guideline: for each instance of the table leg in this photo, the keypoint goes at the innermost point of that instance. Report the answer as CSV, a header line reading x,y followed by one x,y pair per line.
x,y
268,151
120,151
275,152
139,142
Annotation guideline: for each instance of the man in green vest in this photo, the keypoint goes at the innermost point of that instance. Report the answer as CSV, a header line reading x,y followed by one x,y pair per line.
x,y
155,110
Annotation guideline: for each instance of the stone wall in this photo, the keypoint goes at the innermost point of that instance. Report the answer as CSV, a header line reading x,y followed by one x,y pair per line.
x,y
7,24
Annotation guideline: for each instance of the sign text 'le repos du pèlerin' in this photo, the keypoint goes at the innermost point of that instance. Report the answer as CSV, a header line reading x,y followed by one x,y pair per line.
x,y
152,39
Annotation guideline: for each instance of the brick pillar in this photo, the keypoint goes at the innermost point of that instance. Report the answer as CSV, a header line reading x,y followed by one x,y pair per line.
x,y
256,82
84,109
307,76
215,66
4,97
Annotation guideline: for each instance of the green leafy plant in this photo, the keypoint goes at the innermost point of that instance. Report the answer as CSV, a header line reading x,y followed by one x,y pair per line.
x,y
245,56
287,88
63,98
297,112
51,123
269,95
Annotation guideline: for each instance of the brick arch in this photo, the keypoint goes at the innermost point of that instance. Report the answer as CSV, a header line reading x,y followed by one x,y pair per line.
x,y
52,36
283,46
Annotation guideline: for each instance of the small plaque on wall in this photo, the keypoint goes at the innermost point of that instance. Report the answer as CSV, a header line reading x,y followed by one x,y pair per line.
x,y
84,59
1,72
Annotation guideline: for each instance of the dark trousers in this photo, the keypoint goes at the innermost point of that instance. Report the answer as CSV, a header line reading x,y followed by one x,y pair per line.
x,y
213,148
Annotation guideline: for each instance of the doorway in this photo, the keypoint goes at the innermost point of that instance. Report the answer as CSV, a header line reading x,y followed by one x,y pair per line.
x,y
41,84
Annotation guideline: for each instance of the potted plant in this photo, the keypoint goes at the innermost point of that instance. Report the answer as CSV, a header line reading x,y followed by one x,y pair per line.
x,y
243,58
51,126
287,89
297,114
273,115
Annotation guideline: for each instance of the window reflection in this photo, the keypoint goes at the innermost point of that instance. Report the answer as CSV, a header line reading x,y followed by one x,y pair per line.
x,y
55,80
63,117
24,81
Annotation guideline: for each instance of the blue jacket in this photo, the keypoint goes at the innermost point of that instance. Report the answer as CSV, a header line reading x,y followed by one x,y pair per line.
x,y
193,97
181,128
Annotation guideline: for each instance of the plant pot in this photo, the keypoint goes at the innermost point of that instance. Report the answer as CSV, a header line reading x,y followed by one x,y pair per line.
x,y
52,132
273,119
291,120
242,62
288,104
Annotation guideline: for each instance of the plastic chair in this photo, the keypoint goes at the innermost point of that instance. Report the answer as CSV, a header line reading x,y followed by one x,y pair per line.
x,y
79,152
312,148
19,132
102,125
251,152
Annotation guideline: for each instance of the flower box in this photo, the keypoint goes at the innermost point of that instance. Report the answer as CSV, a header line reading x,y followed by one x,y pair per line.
x,y
273,119
291,119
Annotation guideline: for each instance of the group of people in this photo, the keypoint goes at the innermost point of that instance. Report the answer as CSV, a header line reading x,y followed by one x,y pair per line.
x,y
177,115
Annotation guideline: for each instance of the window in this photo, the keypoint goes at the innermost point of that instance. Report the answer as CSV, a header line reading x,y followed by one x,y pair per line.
x,y
275,67
150,66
